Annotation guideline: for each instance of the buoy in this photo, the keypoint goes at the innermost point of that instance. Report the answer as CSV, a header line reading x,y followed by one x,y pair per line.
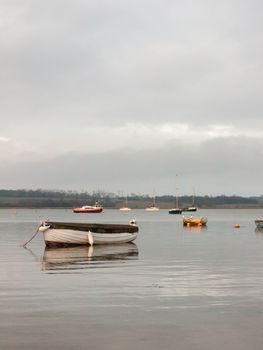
x,y
237,226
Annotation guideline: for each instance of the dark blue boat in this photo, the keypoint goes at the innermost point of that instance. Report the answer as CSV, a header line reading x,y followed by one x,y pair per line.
x,y
175,211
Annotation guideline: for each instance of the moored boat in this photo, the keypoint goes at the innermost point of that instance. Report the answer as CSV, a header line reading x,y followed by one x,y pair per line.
x,y
125,209
72,233
175,211
96,208
152,208
125,206
195,221
259,223
192,208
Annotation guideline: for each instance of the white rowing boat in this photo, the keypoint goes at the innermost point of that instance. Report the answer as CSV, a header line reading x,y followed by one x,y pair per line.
x,y
67,234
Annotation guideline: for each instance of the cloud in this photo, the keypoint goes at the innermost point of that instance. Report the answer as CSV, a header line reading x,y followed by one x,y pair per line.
x,y
155,84
4,139
214,167
109,62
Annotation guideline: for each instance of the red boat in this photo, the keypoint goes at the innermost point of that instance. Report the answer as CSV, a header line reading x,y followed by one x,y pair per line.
x,y
97,208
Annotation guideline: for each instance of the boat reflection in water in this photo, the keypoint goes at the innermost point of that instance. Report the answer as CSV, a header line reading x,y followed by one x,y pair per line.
x,y
259,231
195,229
83,257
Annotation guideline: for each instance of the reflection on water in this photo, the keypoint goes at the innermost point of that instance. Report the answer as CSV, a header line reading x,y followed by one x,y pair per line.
x,y
195,229
259,230
82,257
192,288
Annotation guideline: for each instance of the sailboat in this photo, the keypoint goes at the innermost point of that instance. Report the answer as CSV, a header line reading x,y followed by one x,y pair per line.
x,y
153,207
192,207
125,206
176,210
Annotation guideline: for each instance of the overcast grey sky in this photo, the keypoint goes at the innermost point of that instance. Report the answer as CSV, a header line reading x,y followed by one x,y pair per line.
x,y
124,95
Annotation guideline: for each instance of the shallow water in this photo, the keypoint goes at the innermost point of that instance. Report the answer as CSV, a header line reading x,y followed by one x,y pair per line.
x,y
175,288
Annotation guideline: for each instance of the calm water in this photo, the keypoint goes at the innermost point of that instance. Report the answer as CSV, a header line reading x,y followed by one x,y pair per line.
x,y
175,288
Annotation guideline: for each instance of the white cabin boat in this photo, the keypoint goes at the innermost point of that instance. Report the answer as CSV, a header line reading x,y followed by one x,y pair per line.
x,y
96,208
153,207
125,209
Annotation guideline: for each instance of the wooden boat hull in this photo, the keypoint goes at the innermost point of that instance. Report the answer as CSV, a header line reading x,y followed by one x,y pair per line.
x,y
71,234
60,237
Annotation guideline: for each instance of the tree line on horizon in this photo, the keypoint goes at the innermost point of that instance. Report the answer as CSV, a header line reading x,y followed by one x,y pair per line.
x,y
66,199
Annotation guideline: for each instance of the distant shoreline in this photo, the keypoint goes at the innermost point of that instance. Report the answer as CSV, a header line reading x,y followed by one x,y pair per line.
x,y
46,199
111,208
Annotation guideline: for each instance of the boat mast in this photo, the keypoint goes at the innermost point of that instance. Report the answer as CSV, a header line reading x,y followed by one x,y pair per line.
x,y
176,190
153,198
193,197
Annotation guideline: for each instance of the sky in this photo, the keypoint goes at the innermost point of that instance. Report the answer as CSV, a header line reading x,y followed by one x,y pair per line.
x,y
133,96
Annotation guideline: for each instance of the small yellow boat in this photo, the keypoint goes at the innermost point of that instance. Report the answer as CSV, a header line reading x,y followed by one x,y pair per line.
x,y
191,221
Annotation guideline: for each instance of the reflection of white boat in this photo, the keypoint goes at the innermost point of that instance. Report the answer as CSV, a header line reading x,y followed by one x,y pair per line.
x,y
65,233
56,258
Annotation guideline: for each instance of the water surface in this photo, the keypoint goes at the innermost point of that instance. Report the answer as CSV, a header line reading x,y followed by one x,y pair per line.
x,y
174,288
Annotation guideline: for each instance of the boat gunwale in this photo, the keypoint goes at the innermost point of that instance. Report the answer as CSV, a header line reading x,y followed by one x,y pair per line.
x,y
94,227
